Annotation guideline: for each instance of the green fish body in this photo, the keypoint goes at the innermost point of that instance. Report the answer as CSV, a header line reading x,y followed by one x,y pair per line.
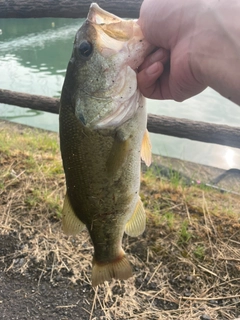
x,y
102,137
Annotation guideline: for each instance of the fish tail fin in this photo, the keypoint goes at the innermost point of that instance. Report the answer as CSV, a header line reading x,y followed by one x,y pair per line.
x,y
119,268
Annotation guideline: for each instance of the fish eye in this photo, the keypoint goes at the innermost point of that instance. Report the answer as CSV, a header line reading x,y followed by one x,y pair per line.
x,y
85,49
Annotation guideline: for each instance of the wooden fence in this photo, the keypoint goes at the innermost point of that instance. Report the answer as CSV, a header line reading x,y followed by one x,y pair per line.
x,y
181,128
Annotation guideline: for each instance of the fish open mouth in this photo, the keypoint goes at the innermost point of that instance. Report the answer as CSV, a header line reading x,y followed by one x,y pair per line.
x,y
113,26
112,31
99,16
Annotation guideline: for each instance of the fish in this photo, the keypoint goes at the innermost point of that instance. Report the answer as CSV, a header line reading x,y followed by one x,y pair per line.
x,y
103,137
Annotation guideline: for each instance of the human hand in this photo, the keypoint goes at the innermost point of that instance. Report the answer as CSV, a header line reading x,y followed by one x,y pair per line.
x,y
169,73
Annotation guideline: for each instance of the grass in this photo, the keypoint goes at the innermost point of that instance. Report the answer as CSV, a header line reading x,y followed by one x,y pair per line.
x,y
188,256
199,252
184,234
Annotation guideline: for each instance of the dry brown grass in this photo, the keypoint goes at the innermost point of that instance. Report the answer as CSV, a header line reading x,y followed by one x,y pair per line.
x,y
186,264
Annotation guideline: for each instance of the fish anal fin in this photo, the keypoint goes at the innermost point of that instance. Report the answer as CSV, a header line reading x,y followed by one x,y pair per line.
x,y
117,155
146,149
120,269
70,223
136,225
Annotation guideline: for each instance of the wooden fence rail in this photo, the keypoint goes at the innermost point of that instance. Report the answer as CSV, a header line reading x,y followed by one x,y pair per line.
x,y
182,128
175,127
65,8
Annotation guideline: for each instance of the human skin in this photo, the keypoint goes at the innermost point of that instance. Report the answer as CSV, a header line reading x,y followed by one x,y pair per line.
x,y
200,47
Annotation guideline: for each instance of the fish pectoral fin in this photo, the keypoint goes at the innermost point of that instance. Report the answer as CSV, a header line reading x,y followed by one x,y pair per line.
x,y
117,155
120,269
146,149
70,223
136,225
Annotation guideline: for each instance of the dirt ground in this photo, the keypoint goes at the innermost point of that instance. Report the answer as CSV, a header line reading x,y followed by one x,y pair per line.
x,y
186,265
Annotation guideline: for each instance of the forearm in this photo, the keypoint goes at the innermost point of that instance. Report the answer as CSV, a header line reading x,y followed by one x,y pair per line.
x,y
215,49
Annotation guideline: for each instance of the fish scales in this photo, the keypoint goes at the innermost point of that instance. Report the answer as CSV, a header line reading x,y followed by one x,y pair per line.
x,y
101,139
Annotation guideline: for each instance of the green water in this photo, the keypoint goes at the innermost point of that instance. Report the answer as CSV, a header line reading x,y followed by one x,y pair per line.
x,y
33,57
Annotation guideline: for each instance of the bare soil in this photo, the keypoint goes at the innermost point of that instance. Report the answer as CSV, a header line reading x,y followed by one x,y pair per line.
x,y
186,264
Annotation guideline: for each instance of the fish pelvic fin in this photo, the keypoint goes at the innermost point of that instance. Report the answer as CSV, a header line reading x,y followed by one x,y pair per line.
x,y
119,268
136,225
146,149
71,225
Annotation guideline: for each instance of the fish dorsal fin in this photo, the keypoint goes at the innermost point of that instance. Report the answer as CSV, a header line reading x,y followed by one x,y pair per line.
x,y
70,223
136,225
146,149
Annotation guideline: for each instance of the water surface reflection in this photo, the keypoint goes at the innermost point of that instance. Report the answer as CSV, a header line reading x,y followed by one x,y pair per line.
x,y
33,57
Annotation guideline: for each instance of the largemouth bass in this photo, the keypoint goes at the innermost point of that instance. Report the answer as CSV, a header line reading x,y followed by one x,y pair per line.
x,y
103,137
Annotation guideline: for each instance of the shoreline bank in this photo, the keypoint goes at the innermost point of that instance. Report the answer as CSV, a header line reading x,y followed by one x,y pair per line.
x,y
190,172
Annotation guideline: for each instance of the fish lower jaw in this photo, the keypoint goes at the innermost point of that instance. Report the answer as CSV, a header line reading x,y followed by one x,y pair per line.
x,y
118,268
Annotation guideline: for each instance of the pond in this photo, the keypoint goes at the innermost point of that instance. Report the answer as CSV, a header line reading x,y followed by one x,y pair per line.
x,y
33,57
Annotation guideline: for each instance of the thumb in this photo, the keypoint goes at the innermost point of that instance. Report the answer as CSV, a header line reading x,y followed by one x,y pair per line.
x,y
148,80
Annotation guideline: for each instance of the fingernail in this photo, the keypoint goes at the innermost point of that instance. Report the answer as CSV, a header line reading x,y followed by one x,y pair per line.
x,y
153,68
158,55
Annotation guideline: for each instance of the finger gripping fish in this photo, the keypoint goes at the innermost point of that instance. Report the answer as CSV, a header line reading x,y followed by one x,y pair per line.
x,y
103,137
